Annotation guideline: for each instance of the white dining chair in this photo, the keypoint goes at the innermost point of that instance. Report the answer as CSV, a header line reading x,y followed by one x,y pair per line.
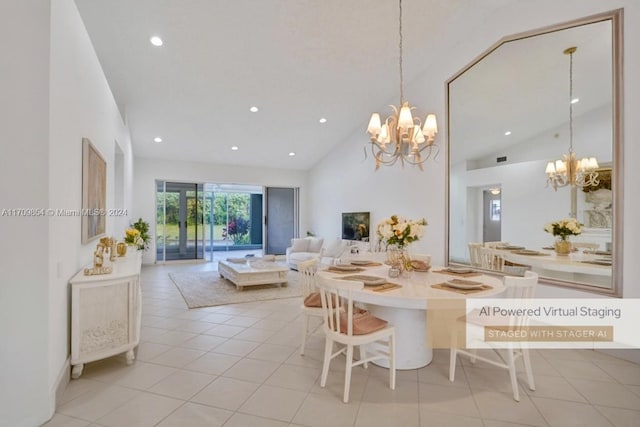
x,y
517,288
490,259
474,253
348,326
311,302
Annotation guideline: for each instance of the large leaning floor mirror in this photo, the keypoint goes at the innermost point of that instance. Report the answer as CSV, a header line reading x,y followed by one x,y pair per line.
x,y
535,156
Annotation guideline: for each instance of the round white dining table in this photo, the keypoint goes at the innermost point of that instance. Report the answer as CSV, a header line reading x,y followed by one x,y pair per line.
x,y
405,307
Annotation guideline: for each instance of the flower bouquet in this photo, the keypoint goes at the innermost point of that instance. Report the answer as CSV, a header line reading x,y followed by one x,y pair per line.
x,y
564,228
138,235
397,233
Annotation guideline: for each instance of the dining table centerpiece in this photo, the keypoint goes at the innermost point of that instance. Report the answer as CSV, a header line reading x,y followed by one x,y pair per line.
x,y
562,230
397,233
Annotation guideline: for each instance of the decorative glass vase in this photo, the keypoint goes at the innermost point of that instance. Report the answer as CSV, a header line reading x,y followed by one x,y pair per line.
x,y
398,258
563,246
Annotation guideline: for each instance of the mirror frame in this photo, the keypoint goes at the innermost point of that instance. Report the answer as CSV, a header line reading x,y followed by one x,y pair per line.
x,y
616,18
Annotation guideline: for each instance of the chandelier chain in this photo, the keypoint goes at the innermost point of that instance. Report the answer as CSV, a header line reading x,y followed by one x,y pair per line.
x,y
401,136
571,102
400,56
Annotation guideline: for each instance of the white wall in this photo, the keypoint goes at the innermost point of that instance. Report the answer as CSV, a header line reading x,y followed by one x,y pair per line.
x,y
81,105
24,135
54,95
412,193
345,182
147,171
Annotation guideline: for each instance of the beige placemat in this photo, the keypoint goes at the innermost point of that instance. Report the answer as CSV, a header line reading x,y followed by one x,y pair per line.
x,y
444,287
384,287
335,270
472,274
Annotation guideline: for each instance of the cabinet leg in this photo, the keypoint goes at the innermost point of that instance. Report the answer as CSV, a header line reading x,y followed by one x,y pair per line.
x,y
130,357
77,371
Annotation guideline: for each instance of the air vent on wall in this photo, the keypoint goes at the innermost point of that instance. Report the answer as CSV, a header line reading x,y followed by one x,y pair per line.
x,y
501,159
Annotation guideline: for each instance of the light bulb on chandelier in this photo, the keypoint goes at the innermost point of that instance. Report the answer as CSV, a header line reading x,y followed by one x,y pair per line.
x,y
569,170
402,136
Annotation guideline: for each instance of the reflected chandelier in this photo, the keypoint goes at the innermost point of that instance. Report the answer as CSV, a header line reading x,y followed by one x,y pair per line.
x,y
570,170
402,136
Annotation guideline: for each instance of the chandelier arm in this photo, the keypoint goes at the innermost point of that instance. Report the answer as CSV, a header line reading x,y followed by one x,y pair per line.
x,y
379,156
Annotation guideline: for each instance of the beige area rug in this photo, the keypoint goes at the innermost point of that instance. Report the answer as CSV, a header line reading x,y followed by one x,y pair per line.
x,y
207,289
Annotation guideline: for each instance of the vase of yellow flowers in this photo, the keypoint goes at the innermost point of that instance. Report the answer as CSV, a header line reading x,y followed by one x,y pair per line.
x,y
138,235
562,230
396,233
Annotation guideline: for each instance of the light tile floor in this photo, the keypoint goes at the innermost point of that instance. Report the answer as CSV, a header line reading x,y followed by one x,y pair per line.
x,y
238,365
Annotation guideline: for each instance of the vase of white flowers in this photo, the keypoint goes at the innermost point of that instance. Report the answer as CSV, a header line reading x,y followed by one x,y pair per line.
x,y
562,230
396,233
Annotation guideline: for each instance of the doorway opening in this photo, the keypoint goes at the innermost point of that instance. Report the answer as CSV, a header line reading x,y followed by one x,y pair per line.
x,y
492,215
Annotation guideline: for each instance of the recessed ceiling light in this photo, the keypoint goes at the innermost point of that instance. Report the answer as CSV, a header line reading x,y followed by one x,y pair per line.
x,y
157,139
254,109
234,148
575,100
291,154
156,41
507,133
323,120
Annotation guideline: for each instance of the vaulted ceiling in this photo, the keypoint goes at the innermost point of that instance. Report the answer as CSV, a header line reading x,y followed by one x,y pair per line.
x,y
297,60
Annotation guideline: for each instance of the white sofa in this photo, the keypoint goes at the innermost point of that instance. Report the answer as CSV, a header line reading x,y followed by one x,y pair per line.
x,y
303,249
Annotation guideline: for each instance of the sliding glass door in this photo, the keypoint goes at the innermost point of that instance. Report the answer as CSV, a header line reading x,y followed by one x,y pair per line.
x,y
179,221
233,217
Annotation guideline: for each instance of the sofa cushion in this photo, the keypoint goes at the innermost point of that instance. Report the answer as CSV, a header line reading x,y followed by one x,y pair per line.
x,y
315,244
335,248
299,245
297,257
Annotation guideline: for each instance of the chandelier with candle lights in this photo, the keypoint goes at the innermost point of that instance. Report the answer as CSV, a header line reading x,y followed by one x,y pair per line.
x,y
569,170
402,136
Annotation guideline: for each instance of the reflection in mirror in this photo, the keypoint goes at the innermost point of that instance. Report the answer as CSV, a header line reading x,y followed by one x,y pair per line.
x,y
524,103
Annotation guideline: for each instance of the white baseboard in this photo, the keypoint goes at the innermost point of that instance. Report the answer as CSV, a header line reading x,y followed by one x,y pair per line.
x,y
59,387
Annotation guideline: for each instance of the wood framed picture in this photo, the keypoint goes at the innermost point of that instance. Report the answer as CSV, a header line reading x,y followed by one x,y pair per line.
x,y
94,192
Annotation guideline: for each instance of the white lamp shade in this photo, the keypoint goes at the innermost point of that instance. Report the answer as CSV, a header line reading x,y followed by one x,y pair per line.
x,y
418,137
405,119
384,134
551,168
561,166
430,127
374,124
593,163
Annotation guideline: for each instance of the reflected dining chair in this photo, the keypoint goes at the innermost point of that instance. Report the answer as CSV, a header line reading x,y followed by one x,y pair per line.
x,y
515,288
311,303
490,259
348,326
474,253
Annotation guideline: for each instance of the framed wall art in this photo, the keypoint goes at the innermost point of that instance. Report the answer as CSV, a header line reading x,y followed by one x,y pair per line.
x,y
94,192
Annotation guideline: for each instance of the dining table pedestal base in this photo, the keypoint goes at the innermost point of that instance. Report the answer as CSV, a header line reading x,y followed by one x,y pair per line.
x,y
411,336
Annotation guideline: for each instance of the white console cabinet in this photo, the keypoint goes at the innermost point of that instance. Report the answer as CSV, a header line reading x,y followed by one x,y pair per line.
x,y
105,313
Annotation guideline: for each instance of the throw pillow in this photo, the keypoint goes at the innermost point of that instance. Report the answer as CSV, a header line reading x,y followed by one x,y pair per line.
x,y
299,245
315,244
335,248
